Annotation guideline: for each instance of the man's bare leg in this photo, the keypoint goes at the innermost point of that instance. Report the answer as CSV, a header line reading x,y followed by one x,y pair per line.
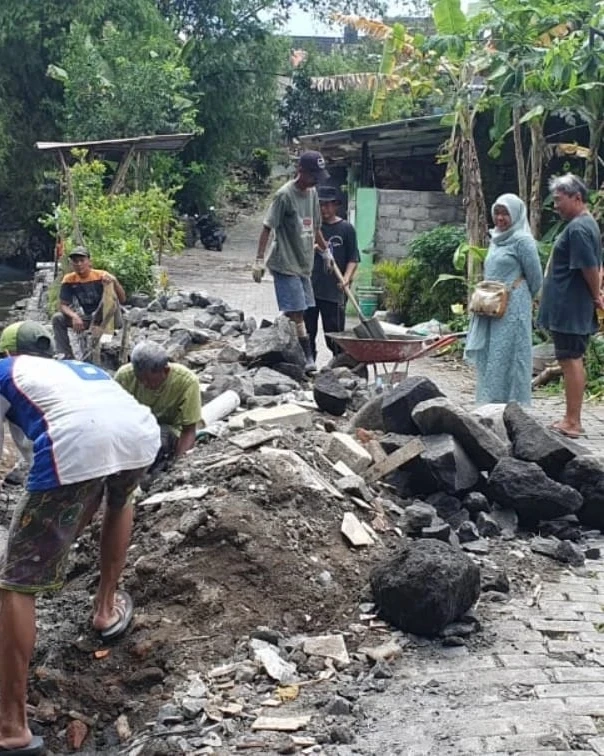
x,y
17,638
115,538
574,388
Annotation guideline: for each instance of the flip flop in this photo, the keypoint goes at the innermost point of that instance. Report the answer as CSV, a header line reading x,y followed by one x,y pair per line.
x,y
35,747
124,607
566,434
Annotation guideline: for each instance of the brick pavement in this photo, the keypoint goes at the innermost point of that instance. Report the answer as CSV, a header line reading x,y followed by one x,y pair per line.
x,y
538,687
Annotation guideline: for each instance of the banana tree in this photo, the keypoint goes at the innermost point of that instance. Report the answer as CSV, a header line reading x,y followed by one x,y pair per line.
x,y
531,66
420,65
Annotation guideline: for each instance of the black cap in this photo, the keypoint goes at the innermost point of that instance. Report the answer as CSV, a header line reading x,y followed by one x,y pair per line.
x,y
314,163
79,252
327,194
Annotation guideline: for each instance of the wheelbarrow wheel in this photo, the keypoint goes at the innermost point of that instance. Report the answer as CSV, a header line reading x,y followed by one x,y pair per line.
x,y
345,360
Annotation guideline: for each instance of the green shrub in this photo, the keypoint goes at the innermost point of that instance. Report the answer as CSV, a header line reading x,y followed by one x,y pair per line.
x,y
124,232
408,283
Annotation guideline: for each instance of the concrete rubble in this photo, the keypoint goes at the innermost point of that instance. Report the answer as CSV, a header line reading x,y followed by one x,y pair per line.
x,y
312,538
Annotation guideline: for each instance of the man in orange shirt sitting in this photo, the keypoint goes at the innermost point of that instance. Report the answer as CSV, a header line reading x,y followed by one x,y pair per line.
x,y
84,286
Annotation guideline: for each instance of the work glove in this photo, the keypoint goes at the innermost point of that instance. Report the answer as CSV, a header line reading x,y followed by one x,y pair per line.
x,y
258,270
328,260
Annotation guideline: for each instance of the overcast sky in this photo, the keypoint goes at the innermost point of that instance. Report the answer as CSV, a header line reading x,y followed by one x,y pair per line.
x,y
303,24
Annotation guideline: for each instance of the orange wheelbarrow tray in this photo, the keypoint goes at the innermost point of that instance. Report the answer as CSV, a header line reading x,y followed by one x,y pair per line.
x,y
397,349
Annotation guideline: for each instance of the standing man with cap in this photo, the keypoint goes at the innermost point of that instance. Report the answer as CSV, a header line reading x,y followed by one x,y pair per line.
x,y
295,219
87,440
330,299
85,286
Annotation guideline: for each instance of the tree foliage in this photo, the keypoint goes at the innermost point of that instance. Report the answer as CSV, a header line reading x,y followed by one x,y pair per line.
x,y
123,85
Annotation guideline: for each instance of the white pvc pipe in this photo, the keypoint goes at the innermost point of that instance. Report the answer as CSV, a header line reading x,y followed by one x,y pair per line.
x,y
221,407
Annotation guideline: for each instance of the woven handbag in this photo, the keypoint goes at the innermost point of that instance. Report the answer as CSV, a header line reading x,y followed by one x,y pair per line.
x,y
490,298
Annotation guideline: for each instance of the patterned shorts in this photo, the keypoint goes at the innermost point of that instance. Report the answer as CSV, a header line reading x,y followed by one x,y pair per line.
x,y
46,523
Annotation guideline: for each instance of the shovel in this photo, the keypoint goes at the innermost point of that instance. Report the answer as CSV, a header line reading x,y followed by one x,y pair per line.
x,y
368,328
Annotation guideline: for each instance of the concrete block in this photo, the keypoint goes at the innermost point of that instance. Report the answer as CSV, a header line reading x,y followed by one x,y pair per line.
x,y
415,212
341,446
554,725
578,674
427,225
385,235
389,211
584,705
561,626
284,414
401,224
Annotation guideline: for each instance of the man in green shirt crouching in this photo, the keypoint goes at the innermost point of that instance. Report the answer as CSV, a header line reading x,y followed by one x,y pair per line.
x,y
171,391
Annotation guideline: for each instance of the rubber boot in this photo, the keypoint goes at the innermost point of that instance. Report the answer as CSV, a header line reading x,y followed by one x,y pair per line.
x,y
309,364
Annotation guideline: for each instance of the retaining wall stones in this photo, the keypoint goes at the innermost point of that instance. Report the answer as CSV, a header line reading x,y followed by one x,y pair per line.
x,y
403,214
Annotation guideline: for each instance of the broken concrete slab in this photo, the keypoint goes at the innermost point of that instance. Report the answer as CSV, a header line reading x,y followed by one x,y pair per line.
x,y
425,586
256,437
343,469
440,415
180,494
281,724
398,405
288,461
327,646
524,487
534,443
354,531
341,446
276,667
284,414
354,485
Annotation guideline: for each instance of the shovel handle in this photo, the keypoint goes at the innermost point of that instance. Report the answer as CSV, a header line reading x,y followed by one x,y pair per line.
x,y
338,274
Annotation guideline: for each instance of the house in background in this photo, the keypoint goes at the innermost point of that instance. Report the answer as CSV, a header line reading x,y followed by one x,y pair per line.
x,y
392,182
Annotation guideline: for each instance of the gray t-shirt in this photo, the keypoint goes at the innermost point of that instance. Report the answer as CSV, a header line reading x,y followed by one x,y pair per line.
x,y
566,303
294,216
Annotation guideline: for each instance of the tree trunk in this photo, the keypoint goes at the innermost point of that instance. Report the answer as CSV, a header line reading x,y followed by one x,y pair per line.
x,y
473,195
596,130
537,147
520,161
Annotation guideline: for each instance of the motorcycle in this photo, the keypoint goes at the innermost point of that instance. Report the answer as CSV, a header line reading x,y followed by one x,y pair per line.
x,y
211,232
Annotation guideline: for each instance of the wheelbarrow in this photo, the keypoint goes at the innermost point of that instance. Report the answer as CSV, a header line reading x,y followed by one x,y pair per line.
x,y
391,352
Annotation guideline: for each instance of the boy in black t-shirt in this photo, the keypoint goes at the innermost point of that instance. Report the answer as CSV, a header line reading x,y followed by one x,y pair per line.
x,y
329,297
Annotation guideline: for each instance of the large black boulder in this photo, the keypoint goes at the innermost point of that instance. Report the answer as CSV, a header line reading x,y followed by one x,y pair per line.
x,y
274,344
524,486
586,475
440,415
329,394
534,443
398,404
426,585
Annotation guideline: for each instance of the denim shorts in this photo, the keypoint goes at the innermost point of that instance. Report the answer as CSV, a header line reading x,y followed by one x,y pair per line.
x,y
46,523
569,346
294,293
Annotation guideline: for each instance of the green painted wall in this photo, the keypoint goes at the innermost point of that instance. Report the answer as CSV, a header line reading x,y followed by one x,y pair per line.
x,y
366,200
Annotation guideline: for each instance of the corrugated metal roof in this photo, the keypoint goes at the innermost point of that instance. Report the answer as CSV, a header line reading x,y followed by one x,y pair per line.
x,y
141,143
409,137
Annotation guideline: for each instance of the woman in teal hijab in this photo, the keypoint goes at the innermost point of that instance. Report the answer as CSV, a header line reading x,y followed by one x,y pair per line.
x,y
501,348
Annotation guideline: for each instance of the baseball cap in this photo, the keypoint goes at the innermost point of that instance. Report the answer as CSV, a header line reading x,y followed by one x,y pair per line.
x,y
27,337
313,162
81,251
327,194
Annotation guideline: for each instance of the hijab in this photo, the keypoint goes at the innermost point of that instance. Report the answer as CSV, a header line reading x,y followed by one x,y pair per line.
x,y
517,211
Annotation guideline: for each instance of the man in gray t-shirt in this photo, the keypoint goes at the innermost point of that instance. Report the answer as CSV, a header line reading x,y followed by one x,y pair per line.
x,y
294,218
571,294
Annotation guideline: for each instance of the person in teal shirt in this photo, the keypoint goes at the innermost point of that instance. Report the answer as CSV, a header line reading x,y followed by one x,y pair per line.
x,y
501,348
